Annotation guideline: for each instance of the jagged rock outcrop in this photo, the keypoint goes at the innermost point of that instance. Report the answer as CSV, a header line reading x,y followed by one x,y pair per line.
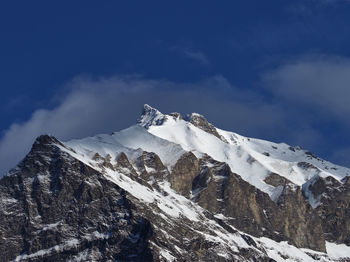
x,y
276,180
202,123
290,218
151,116
183,173
123,165
333,207
151,167
298,220
56,208
169,190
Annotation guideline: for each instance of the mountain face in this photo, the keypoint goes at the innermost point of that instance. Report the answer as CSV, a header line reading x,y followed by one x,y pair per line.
x,y
173,188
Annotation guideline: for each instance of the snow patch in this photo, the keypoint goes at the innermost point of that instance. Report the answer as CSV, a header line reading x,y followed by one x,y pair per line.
x,y
167,255
337,251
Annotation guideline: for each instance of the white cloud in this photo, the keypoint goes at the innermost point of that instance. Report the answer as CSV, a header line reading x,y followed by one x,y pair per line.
x,y
319,83
317,90
197,55
110,104
104,105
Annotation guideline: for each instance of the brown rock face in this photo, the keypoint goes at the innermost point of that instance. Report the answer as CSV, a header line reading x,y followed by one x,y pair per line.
x,y
300,222
151,167
183,173
123,165
334,207
276,180
290,218
55,208
202,123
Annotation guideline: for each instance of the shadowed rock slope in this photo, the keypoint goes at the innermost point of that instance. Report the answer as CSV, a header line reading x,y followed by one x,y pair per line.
x,y
56,208
132,196
217,189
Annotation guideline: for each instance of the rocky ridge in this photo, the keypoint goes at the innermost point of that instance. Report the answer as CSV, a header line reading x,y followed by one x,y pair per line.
x,y
134,196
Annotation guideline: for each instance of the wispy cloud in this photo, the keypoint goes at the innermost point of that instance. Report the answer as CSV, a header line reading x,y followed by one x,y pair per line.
x,y
193,54
316,88
197,56
330,2
301,96
109,104
320,83
313,7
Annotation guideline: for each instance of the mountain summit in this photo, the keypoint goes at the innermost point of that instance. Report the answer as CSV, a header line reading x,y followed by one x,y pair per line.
x,y
150,116
173,188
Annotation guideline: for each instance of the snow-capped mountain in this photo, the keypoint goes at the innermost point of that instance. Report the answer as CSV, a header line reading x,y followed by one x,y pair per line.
x,y
173,188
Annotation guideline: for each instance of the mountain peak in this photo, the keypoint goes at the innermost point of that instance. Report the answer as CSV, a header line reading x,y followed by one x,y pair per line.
x,y
150,116
46,139
201,122
195,118
147,107
44,143
240,198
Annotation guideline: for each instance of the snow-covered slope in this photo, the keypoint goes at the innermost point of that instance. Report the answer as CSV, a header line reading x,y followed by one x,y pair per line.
x,y
169,136
252,159
175,206
175,172
131,141
153,162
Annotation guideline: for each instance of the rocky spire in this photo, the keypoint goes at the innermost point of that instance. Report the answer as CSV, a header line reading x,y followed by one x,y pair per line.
x,y
202,123
150,116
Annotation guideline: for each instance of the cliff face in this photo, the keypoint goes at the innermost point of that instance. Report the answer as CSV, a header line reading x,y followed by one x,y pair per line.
x,y
56,208
334,207
133,196
217,189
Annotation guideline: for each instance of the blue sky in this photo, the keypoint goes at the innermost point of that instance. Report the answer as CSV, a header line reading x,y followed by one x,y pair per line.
x,y
277,70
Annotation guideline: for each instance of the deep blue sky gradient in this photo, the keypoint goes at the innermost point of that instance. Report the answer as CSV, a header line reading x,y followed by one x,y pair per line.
x,y
44,44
